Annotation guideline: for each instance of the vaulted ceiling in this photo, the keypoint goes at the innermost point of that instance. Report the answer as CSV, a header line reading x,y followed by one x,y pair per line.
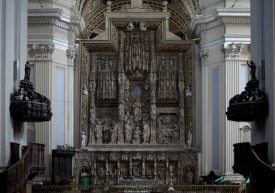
x,y
181,13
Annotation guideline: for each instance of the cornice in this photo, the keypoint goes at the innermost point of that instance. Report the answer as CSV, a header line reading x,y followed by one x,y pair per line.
x,y
56,2
58,16
217,17
225,38
59,44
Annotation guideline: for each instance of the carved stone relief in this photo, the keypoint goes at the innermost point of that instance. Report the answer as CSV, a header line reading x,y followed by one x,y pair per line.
x,y
136,100
141,166
167,129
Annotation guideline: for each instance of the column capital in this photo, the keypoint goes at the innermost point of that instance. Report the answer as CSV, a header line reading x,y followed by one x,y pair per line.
x,y
231,50
43,51
203,54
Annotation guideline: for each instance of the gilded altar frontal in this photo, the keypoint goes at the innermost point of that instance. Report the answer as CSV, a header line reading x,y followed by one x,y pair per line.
x,y
137,110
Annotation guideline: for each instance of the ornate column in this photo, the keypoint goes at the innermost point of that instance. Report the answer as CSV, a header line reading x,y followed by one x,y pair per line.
x,y
92,92
43,85
153,80
231,82
86,60
121,87
181,100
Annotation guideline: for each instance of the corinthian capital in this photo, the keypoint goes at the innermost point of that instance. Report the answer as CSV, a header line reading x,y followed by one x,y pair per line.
x,y
71,53
43,51
71,56
202,56
231,51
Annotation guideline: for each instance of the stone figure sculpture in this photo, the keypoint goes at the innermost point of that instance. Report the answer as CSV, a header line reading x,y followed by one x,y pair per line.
x,y
84,89
189,139
106,133
128,131
98,132
146,132
27,71
136,135
83,139
137,110
189,176
153,112
252,67
114,132
84,173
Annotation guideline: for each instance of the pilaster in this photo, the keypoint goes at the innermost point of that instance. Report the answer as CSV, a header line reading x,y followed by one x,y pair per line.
x,y
69,97
43,84
232,80
13,35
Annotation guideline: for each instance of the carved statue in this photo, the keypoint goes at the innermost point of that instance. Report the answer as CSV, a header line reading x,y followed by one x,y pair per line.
x,y
84,89
189,139
252,67
84,173
136,135
106,133
121,111
181,85
189,176
181,115
128,131
128,116
27,71
100,171
188,91
83,139
153,112
137,110
127,84
93,85
146,132
98,132
114,132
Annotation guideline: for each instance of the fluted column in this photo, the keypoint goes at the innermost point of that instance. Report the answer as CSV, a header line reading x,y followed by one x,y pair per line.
x,y
231,83
69,97
43,85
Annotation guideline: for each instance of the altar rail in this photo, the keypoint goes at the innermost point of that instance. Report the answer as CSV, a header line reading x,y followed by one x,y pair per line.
x,y
30,165
141,189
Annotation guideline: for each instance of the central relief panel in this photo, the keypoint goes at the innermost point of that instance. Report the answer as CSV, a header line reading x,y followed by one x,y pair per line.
x,y
136,123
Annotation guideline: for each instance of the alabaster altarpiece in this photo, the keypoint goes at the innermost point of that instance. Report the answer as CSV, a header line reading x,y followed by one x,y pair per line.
x,y
137,116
